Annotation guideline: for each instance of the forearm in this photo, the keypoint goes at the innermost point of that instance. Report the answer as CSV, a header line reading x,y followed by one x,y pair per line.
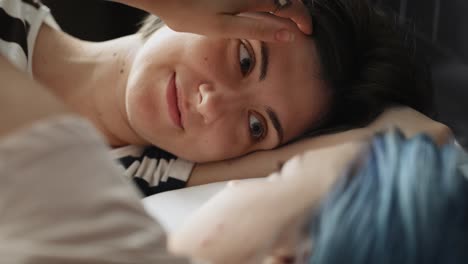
x,y
261,164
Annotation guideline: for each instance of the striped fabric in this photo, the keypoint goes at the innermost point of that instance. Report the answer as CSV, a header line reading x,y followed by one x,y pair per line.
x,y
152,169
20,21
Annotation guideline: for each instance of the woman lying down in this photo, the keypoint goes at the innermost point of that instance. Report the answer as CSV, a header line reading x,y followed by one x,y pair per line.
x,y
393,200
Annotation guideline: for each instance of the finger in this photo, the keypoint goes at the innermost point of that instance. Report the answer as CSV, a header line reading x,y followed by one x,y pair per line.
x,y
298,13
243,27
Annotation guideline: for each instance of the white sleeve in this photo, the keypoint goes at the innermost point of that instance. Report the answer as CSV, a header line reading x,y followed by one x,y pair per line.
x,y
62,200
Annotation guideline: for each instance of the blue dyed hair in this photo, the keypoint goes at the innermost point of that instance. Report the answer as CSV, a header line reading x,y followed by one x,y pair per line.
x,y
407,202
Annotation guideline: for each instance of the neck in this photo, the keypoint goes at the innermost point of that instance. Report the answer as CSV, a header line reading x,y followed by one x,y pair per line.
x,y
90,78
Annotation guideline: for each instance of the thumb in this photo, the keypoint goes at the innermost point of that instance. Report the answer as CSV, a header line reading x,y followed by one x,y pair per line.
x,y
243,27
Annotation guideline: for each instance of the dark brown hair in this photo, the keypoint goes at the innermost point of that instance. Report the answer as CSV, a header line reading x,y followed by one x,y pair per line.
x,y
368,61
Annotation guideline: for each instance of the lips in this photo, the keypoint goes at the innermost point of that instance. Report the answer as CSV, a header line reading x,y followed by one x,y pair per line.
x,y
173,102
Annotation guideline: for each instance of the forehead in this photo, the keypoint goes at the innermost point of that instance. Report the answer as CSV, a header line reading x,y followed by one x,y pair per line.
x,y
293,87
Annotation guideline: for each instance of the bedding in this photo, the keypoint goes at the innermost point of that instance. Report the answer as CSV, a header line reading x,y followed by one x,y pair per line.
x,y
171,208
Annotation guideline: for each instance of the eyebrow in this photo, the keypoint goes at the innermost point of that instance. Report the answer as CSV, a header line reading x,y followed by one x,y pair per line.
x,y
265,55
276,124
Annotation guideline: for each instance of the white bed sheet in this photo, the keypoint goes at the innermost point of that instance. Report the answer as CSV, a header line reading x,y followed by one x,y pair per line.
x,y
171,208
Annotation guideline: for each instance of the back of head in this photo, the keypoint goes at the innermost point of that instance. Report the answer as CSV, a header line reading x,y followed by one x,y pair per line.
x,y
407,202
368,62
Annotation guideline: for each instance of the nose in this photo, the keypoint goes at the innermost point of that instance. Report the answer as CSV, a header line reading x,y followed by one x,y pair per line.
x,y
214,103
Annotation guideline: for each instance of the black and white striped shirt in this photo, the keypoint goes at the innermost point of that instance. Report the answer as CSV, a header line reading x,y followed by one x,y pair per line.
x,y
20,21
152,169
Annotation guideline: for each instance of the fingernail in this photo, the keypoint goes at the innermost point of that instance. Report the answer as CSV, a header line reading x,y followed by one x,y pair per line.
x,y
305,29
284,35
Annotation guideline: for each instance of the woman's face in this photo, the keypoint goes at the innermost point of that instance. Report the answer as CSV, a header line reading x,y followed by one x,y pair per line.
x,y
249,220
207,99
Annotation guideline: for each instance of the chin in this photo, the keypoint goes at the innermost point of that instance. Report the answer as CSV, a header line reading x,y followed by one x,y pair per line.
x,y
197,153
194,158
197,157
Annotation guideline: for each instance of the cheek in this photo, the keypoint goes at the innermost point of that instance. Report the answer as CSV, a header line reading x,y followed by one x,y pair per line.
x,y
221,141
144,101
212,59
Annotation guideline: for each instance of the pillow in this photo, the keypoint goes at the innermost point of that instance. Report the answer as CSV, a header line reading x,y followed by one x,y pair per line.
x,y
171,208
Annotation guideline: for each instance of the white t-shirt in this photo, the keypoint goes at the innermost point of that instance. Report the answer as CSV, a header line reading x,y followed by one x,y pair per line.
x,y
152,169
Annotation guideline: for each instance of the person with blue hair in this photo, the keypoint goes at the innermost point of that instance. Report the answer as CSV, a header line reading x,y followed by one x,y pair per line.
x,y
395,200
62,198
407,203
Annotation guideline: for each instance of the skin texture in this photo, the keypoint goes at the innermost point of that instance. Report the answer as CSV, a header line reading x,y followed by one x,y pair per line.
x,y
217,233
219,18
216,100
108,83
121,86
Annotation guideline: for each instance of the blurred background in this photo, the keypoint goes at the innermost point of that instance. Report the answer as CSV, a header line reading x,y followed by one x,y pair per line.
x,y
441,29
95,20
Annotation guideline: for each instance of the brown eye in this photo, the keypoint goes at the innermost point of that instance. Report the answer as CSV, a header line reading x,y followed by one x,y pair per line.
x,y
256,127
246,60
